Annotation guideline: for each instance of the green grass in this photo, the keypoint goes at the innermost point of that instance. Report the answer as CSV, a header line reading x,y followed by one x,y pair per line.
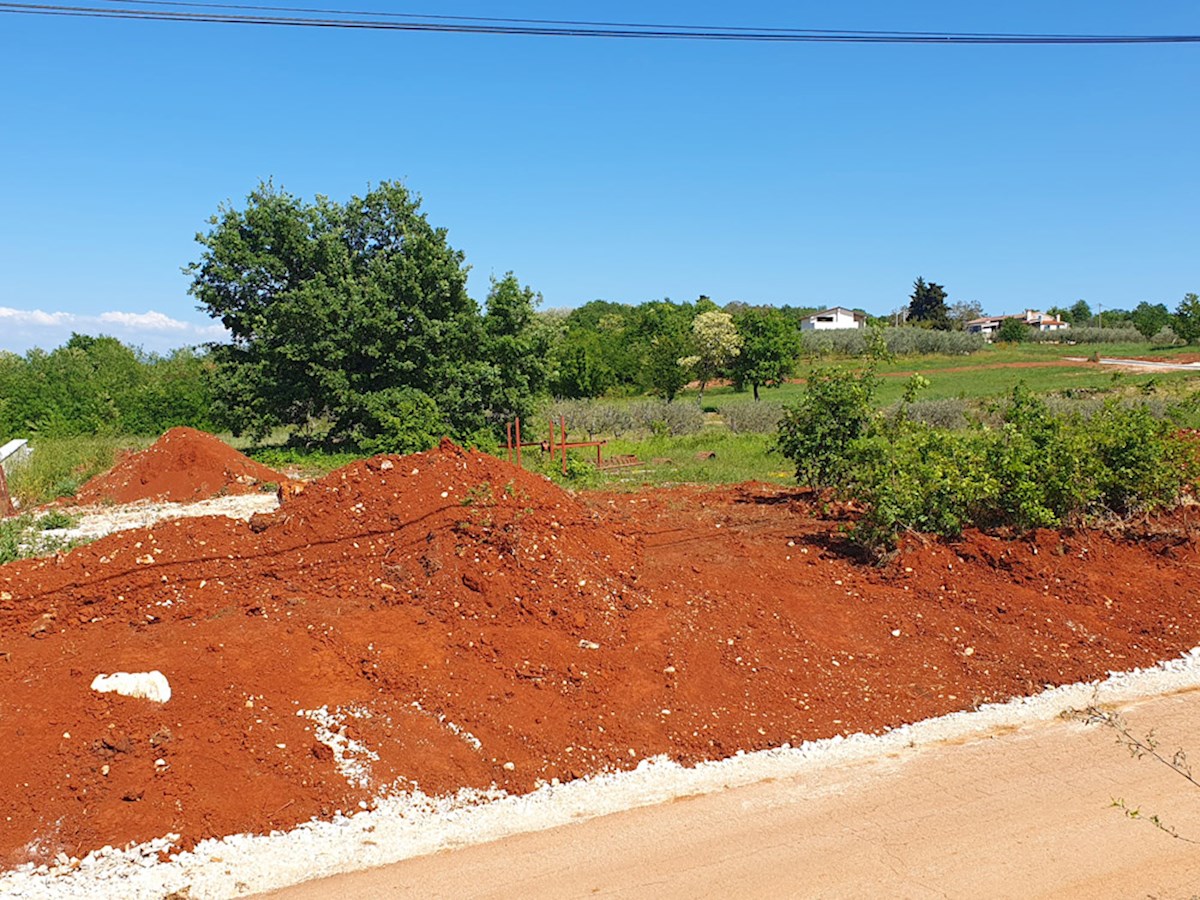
x,y
22,537
739,457
57,467
970,376
314,463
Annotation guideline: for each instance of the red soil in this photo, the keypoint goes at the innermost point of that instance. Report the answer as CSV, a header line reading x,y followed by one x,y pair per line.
x,y
184,465
567,634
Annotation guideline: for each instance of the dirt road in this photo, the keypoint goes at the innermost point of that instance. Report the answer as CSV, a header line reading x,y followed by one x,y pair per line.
x,y
1027,813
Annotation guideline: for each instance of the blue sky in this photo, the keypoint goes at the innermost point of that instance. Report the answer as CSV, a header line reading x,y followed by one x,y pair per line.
x,y
624,170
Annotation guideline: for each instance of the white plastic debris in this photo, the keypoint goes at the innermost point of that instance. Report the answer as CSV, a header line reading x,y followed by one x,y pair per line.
x,y
143,685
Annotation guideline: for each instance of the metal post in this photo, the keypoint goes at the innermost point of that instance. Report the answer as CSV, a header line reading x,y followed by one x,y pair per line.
x,y
518,435
562,424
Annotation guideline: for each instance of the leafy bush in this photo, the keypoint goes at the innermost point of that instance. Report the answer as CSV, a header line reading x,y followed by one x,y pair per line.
x,y
396,420
1165,337
595,417
97,385
1033,468
817,431
1013,331
947,413
667,419
752,417
56,519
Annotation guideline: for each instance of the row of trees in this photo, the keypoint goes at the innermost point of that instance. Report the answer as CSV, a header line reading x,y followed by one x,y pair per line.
x,y
659,347
929,307
97,385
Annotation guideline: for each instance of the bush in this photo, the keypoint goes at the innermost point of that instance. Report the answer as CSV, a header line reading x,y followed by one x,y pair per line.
x,y
752,417
396,420
595,417
900,342
1034,468
1165,337
661,418
1126,334
817,431
1013,331
949,413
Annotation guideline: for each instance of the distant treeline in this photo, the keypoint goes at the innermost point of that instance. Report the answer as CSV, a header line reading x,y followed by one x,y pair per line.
x,y
97,385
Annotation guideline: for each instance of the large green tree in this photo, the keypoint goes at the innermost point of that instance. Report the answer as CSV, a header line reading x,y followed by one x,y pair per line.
x,y
927,306
518,345
662,333
1187,318
332,304
1150,318
770,346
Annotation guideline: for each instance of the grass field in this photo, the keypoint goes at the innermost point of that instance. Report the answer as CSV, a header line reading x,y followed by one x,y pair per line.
x,y
994,370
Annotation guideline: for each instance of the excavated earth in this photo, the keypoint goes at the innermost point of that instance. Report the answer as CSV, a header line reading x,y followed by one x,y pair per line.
x,y
447,620
182,466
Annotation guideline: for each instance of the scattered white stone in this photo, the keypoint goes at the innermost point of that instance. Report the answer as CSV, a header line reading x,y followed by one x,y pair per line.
x,y
142,685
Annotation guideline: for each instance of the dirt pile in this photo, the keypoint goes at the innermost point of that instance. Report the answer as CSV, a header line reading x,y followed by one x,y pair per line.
x,y
446,620
182,466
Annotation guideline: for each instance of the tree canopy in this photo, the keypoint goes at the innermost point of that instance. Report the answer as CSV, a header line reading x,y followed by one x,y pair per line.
x,y
927,305
770,346
333,306
1187,318
717,345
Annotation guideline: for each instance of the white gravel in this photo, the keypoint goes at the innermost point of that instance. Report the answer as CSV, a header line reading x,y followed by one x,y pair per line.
x,y
412,824
97,521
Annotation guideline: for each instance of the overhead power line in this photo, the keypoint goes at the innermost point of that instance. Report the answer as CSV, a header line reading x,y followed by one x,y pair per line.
x,y
286,16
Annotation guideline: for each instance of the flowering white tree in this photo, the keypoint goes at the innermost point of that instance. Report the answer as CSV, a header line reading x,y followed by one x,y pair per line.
x,y
717,344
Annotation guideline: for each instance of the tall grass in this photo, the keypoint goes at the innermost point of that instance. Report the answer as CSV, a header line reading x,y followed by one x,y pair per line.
x,y
57,467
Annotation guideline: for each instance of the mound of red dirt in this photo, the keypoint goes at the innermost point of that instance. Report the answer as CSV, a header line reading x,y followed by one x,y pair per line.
x,y
184,465
446,620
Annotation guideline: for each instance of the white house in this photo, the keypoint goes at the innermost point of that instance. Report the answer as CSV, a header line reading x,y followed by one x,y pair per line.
x,y
989,325
838,317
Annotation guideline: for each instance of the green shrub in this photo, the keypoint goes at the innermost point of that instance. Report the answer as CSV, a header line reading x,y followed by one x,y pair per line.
x,y
1013,331
56,519
1030,467
396,420
665,419
817,431
752,417
947,412
1126,334
899,341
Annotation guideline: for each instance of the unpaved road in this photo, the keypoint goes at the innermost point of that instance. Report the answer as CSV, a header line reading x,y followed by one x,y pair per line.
x,y
1021,814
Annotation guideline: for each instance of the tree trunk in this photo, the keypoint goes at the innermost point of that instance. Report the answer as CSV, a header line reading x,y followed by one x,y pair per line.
x,y
756,392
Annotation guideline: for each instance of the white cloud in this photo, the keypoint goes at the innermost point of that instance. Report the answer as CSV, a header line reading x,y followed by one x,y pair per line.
x,y
23,329
147,321
19,317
